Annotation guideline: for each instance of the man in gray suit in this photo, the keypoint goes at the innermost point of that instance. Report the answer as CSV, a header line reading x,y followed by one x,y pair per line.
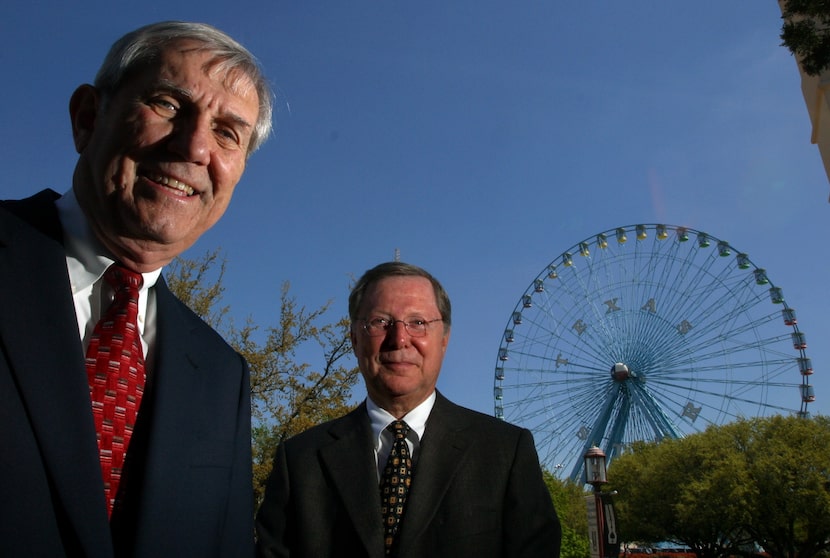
x,y
464,484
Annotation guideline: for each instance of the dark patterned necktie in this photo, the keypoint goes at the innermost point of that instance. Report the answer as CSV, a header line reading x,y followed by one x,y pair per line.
x,y
395,482
115,368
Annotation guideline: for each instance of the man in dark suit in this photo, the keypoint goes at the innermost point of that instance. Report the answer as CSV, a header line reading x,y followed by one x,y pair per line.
x,y
444,482
163,137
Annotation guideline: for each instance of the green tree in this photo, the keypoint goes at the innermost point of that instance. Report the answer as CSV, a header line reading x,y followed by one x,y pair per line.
x,y
288,394
756,483
788,459
569,501
677,491
806,32
643,503
198,284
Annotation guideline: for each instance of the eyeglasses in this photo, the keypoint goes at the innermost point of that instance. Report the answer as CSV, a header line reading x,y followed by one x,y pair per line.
x,y
381,326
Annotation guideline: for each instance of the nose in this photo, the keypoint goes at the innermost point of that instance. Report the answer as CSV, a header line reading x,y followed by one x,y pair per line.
x,y
396,335
191,141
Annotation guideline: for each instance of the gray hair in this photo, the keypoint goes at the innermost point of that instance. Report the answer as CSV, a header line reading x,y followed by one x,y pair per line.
x,y
398,269
146,44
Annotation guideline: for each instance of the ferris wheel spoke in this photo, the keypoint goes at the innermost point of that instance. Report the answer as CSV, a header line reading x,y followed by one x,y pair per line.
x,y
729,395
653,413
644,332
718,349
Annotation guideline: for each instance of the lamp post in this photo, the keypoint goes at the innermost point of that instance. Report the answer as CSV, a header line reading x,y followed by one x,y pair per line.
x,y
601,518
595,472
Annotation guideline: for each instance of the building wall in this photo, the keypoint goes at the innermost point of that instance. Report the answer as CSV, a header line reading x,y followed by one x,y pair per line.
x,y
816,92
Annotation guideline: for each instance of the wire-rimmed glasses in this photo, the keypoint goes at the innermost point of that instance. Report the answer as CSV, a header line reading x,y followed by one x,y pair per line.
x,y
416,327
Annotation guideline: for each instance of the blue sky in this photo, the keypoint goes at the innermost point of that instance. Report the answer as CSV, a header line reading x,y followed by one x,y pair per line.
x,y
479,138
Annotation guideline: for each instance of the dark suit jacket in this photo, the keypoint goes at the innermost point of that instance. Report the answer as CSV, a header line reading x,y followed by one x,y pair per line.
x,y
477,491
188,477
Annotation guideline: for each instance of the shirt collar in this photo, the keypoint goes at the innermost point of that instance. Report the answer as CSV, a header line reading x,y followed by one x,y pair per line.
x,y
86,257
416,418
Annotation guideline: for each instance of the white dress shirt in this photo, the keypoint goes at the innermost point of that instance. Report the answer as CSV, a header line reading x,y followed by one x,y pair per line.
x,y
86,261
380,419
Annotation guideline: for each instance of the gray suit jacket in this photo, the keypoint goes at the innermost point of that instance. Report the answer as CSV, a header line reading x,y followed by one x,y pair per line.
x,y
477,491
188,487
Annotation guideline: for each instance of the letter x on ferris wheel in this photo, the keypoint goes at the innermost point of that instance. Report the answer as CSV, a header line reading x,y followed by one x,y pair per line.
x,y
645,332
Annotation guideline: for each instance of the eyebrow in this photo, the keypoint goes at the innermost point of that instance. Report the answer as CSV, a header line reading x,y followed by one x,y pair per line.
x,y
177,90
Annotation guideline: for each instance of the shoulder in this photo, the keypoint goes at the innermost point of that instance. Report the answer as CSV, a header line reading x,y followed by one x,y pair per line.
x,y
480,438
354,424
205,344
446,410
504,445
35,213
174,309
42,199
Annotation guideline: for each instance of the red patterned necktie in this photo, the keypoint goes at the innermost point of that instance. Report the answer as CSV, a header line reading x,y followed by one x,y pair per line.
x,y
395,483
115,368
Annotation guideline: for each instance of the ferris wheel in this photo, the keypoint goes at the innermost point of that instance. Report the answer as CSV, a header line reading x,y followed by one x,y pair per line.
x,y
645,332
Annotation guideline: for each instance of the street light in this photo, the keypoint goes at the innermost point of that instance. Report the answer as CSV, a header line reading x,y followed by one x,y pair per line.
x,y
602,524
595,472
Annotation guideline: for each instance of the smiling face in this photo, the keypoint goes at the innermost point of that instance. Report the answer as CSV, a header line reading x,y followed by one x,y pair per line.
x,y
400,371
160,158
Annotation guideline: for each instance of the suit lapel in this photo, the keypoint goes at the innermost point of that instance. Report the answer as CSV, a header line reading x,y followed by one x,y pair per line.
x,y
40,338
176,376
355,477
442,449
178,347
164,427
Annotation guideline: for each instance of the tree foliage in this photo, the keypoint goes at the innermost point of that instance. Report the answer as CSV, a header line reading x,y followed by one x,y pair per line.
x,y
199,285
756,483
789,464
569,501
289,395
300,374
806,32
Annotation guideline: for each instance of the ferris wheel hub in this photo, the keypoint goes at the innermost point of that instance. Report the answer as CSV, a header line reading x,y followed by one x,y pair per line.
x,y
620,372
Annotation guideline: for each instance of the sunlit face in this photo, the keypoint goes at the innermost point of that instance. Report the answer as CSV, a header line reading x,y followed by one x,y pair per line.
x,y
400,371
160,159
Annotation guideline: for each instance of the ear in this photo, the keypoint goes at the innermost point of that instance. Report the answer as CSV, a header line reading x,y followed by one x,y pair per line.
x,y
83,110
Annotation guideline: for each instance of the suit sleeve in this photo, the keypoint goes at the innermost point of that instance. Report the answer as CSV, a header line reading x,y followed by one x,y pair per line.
x,y
531,526
238,539
272,520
